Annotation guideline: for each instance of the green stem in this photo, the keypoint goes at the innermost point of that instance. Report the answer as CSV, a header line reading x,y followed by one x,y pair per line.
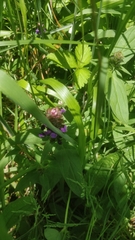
x,y
16,119
64,230
67,207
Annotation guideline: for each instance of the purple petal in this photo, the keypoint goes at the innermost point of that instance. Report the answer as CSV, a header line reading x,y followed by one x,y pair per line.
x,y
64,129
41,135
63,110
48,132
37,31
45,133
53,135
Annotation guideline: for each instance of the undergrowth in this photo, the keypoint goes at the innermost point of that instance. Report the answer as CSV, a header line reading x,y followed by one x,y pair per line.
x,y
67,96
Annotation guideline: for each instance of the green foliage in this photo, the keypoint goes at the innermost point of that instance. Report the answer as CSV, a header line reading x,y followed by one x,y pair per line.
x,y
4,234
22,206
78,57
67,60
117,98
126,44
52,234
70,167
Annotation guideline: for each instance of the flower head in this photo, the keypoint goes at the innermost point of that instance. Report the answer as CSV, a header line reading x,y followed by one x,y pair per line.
x,y
55,117
37,31
54,113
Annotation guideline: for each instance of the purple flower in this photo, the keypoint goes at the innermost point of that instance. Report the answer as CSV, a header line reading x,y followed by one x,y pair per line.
x,y
48,132
41,135
54,113
39,28
55,117
37,31
64,128
53,135
63,110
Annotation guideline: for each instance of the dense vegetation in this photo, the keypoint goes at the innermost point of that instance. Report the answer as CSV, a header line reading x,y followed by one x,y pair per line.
x,y
67,119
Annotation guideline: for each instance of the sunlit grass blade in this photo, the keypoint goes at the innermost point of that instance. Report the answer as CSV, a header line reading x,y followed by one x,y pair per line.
x,y
99,95
24,15
47,42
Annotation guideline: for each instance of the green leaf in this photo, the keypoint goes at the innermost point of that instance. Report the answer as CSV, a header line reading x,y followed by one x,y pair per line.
x,y
52,234
104,33
117,98
49,178
64,59
126,44
99,173
64,95
4,33
119,190
24,14
71,170
1,12
83,55
28,180
81,76
29,137
20,207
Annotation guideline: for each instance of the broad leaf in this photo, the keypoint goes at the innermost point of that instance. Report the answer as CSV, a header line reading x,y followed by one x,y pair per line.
x,y
71,170
29,137
119,190
81,76
104,33
83,55
20,207
64,59
100,172
52,234
28,180
49,178
117,98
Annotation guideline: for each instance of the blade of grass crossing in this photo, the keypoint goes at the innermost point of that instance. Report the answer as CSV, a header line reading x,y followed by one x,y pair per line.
x,y
74,108
98,98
